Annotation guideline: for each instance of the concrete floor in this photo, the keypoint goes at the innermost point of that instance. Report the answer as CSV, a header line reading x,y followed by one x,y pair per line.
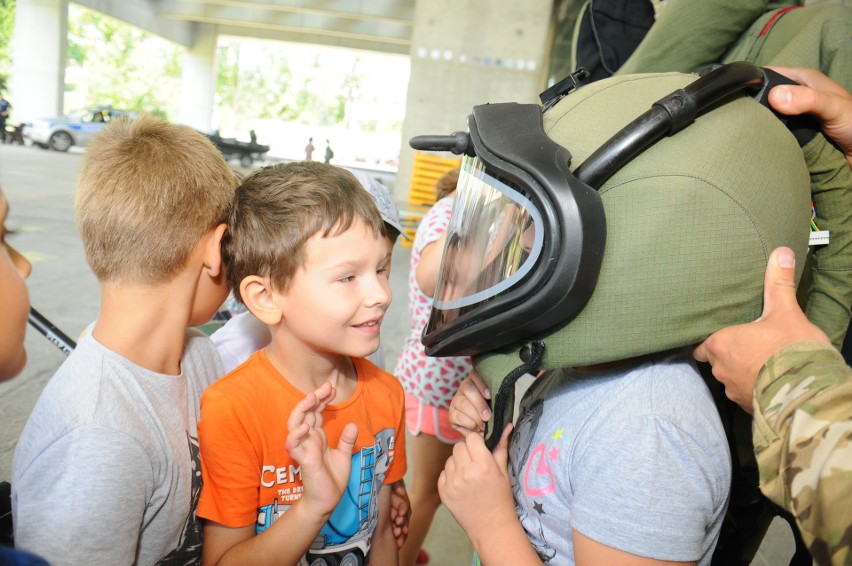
x,y
39,185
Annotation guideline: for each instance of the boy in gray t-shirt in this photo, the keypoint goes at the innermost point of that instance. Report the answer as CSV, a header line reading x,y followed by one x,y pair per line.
x,y
107,470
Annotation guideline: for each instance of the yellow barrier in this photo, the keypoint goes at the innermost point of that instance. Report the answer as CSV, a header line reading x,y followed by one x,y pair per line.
x,y
426,171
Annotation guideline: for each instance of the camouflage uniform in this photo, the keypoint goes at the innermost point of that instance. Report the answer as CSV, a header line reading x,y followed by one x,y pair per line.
x,y
803,441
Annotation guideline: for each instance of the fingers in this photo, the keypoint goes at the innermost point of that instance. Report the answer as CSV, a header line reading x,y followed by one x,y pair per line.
x,y
400,512
699,352
461,451
469,409
779,285
501,452
296,436
348,438
480,384
309,410
811,78
820,96
794,100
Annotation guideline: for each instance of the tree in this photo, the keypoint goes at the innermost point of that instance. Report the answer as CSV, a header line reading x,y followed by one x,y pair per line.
x,y
113,63
7,23
257,80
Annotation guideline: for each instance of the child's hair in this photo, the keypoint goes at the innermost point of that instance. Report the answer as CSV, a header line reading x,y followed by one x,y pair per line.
x,y
279,207
392,233
447,183
147,193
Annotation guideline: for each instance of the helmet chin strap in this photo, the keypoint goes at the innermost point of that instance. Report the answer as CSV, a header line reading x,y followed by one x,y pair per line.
x,y
504,402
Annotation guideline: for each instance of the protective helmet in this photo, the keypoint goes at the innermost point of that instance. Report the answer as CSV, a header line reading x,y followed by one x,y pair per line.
x,y
650,244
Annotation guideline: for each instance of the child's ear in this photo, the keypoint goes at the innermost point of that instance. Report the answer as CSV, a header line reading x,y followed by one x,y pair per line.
x,y
257,295
213,250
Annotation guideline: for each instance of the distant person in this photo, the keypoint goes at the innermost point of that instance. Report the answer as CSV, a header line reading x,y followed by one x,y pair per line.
x,y
329,153
5,109
98,117
309,150
307,253
107,468
253,136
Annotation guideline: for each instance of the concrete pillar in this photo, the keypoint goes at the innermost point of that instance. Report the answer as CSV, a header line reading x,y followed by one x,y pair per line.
x,y
468,53
39,44
199,79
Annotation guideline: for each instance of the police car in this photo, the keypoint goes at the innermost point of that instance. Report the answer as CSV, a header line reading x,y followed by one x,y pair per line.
x,y
77,128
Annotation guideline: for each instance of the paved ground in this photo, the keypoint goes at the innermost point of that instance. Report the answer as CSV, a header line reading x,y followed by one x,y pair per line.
x,y
39,186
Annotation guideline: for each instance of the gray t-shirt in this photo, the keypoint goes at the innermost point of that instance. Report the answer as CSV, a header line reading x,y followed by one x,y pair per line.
x,y
634,458
106,470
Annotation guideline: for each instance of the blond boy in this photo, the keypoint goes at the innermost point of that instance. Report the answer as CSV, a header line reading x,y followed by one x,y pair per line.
x,y
107,470
301,443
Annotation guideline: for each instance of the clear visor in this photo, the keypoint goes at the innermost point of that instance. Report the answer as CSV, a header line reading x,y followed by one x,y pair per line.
x,y
493,241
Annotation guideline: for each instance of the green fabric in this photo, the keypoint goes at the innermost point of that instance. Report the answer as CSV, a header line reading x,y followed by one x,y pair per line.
x,y
690,222
818,37
690,34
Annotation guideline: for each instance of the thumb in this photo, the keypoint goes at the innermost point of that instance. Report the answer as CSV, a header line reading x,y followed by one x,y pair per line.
x,y
793,100
348,438
779,283
501,451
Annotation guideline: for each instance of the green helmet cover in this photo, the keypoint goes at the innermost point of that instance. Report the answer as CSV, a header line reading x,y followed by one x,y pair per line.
x,y
691,222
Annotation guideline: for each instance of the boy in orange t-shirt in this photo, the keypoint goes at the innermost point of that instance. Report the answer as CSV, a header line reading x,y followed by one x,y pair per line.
x,y
306,253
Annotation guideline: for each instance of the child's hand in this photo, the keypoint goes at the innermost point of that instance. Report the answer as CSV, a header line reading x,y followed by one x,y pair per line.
x,y
469,409
325,471
400,512
475,486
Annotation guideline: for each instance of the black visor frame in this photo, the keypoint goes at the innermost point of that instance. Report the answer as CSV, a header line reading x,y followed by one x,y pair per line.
x,y
510,140
519,152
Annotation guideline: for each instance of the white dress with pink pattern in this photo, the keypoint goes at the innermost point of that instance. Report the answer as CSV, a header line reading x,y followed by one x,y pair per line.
x,y
433,381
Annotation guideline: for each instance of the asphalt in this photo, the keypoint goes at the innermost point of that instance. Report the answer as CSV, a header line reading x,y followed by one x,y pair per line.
x,y
39,186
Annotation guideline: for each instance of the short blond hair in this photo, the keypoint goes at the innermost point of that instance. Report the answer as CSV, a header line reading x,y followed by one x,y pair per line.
x,y
147,193
279,207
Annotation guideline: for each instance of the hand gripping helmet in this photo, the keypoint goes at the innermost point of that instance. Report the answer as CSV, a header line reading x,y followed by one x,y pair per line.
x,y
631,216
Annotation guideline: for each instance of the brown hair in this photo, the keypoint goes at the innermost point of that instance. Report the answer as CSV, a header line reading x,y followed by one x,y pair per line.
x,y
278,208
447,183
147,193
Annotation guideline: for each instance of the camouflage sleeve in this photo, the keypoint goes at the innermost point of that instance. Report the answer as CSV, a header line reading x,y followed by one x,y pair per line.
x,y
803,441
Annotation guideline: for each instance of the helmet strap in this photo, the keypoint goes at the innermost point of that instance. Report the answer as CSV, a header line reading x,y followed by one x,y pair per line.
x,y
504,404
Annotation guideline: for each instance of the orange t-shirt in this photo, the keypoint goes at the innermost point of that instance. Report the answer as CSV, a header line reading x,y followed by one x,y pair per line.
x,y
250,478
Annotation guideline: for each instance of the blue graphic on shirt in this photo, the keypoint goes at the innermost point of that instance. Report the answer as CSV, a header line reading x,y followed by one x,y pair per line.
x,y
348,534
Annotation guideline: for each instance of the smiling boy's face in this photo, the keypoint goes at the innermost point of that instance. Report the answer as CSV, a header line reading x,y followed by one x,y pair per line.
x,y
336,301
14,302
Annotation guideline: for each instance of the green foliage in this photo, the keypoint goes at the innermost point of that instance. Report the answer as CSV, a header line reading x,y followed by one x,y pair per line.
x,y
111,62
263,84
7,23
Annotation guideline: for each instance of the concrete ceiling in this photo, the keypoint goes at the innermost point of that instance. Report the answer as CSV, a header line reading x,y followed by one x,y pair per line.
x,y
375,25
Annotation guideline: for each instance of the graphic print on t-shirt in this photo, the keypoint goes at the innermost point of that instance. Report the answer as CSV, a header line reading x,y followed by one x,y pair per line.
x,y
347,535
188,550
534,478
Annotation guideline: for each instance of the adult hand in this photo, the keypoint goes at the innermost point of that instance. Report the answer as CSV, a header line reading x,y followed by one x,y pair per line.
x,y
819,95
469,410
737,353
